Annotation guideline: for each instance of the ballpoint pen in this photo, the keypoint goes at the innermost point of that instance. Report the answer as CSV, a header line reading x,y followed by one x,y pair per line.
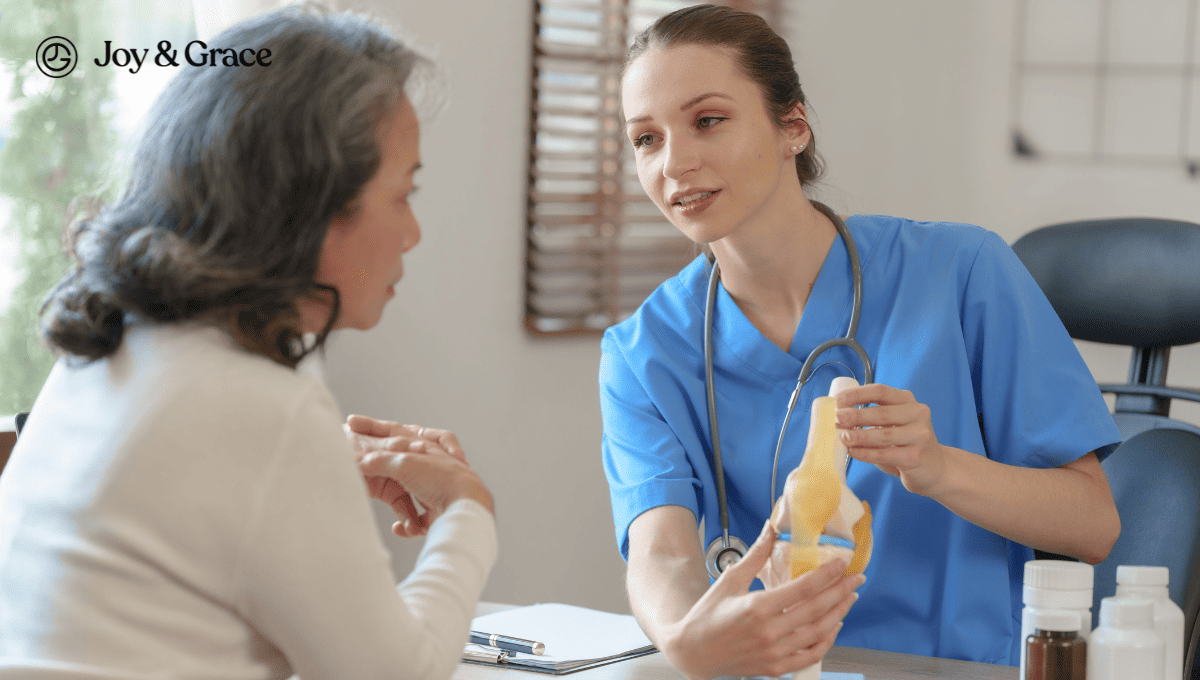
x,y
505,642
486,657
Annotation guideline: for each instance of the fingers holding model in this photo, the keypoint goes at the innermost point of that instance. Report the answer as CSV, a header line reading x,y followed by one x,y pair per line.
x,y
894,432
732,630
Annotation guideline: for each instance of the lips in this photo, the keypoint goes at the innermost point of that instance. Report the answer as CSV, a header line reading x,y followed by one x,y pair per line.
x,y
693,202
687,197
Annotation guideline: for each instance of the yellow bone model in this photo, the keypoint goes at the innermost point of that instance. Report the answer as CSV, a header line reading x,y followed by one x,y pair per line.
x,y
816,502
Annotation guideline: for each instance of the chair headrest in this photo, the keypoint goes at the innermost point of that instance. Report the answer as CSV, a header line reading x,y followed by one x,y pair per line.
x,y
1128,281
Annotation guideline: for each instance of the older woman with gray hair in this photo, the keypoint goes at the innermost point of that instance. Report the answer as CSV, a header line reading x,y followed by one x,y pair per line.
x,y
183,502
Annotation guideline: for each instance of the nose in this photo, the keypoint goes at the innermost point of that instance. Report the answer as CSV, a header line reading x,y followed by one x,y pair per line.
x,y
412,236
680,156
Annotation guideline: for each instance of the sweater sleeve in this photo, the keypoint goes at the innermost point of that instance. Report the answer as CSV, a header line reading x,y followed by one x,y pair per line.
x,y
314,575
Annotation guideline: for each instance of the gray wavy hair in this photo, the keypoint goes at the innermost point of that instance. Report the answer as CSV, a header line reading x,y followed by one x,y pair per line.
x,y
234,183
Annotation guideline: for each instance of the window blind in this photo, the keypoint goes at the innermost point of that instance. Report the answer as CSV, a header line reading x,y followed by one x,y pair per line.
x,y
596,245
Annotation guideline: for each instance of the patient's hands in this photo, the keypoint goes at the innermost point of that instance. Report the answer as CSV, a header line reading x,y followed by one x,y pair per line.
x,y
403,463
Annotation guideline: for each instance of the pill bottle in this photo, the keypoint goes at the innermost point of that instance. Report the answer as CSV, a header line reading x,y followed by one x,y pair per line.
x,y
1056,585
1150,583
1124,646
1055,651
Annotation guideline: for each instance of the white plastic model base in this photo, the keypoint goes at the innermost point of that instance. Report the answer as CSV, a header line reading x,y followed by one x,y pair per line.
x,y
813,672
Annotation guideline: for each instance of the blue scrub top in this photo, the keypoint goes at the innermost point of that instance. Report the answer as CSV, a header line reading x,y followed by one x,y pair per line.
x,y
951,314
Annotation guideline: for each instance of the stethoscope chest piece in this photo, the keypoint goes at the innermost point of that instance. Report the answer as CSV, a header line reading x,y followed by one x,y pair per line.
x,y
719,557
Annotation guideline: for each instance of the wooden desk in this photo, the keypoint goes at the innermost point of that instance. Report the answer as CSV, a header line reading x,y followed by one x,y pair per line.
x,y
8,440
872,664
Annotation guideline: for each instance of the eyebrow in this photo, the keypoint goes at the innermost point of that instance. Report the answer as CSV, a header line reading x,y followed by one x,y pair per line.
x,y
686,105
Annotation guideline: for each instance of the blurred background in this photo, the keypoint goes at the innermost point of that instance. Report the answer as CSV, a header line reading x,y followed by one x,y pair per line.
x,y
1009,114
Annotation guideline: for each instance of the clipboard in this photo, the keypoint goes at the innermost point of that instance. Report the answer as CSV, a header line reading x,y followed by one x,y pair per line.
x,y
576,638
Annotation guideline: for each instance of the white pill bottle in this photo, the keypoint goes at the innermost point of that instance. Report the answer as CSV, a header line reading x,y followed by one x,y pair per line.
x,y
1150,583
1124,646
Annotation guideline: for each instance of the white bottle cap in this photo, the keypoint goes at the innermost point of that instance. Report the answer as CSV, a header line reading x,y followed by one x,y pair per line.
x,y
841,384
1056,599
1128,575
1056,620
1058,575
1120,612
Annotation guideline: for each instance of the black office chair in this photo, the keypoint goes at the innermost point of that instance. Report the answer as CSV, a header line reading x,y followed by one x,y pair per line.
x,y
1125,282
1134,282
1160,521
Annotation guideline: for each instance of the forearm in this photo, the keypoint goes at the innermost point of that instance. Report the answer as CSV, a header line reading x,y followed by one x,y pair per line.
x,y
662,589
445,584
666,575
1066,510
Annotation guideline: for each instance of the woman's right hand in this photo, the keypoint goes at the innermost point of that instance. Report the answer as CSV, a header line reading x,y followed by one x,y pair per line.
x,y
421,469
732,630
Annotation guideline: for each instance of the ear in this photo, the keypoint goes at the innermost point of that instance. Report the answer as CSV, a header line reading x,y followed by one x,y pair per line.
x,y
796,131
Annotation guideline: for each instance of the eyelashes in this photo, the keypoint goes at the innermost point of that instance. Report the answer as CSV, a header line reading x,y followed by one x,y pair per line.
x,y
641,141
702,123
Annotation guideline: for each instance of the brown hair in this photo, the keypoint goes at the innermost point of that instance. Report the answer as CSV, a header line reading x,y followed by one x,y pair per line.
x,y
759,52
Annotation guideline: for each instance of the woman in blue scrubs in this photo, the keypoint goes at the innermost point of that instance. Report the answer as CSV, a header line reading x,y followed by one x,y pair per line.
x,y
979,440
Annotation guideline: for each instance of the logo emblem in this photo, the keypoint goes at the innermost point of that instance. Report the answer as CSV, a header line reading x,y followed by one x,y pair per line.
x,y
56,56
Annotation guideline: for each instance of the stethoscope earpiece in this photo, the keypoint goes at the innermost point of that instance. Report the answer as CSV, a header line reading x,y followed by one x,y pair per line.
x,y
719,557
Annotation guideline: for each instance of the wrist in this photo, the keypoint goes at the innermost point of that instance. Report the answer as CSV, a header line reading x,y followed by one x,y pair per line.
x,y
480,494
672,642
946,484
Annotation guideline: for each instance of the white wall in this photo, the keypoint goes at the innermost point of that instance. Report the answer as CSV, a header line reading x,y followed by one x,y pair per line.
x,y
911,101
451,350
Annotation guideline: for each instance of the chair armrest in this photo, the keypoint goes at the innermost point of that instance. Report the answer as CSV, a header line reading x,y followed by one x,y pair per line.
x,y
1152,391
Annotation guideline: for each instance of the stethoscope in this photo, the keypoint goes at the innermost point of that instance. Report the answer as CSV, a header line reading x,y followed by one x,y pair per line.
x,y
725,550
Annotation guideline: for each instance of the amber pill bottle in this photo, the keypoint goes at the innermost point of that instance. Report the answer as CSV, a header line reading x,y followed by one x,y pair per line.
x,y
1055,651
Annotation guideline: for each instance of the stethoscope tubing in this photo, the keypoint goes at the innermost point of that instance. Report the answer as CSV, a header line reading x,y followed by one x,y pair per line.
x,y
806,371
709,304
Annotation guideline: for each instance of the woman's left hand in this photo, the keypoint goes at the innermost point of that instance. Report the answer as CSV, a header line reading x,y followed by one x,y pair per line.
x,y
896,435
368,434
